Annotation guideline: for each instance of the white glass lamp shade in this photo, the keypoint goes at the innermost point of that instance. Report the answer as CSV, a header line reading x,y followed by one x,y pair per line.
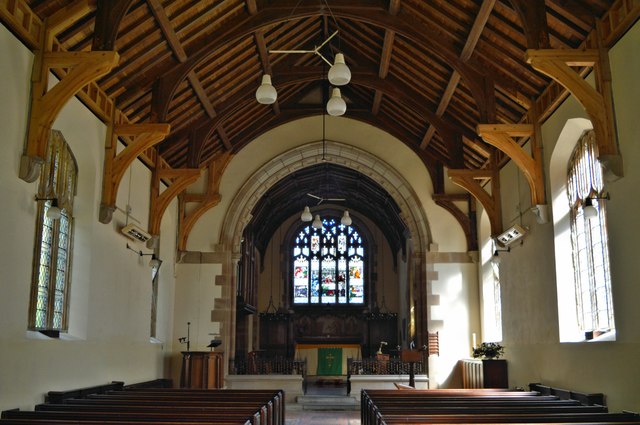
x,y
339,74
590,212
54,212
317,223
266,93
346,219
495,258
306,215
155,262
336,106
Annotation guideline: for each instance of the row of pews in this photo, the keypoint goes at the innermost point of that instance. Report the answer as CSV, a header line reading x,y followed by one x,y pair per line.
x,y
157,405
482,406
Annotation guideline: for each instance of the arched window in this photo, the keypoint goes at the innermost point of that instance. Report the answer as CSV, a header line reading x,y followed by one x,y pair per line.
x,y
328,265
589,240
52,253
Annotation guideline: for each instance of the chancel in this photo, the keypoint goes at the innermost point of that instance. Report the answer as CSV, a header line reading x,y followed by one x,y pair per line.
x,y
343,196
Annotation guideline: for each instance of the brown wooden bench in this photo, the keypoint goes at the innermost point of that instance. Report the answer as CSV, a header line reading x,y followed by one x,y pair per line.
x,y
163,406
382,407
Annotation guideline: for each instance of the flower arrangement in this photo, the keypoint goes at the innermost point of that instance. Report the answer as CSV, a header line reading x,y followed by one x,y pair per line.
x,y
488,350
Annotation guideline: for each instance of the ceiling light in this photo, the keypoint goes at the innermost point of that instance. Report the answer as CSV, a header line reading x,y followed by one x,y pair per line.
x,y
346,219
317,223
53,210
306,215
336,106
339,73
589,210
266,93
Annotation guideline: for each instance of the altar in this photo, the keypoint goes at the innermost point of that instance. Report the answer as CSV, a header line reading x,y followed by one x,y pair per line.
x,y
328,359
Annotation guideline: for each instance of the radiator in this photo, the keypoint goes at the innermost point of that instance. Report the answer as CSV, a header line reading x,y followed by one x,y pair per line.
x,y
472,376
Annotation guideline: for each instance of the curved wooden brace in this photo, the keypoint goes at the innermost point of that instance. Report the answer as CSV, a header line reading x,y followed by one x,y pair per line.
x,y
46,105
179,180
142,137
533,15
467,179
501,136
467,222
207,201
109,15
557,65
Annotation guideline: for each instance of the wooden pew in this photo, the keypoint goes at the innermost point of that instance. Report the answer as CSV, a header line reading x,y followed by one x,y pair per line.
x,y
162,406
382,407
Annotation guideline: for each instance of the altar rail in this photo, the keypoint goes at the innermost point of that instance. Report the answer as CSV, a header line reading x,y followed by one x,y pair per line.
x,y
270,366
374,366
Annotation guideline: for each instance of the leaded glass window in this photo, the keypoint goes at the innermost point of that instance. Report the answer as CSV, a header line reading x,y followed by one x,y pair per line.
x,y
589,239
328,265
54,238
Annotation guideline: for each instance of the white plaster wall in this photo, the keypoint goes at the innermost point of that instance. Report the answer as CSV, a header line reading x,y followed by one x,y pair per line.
x,y
447,233
110,296
530,315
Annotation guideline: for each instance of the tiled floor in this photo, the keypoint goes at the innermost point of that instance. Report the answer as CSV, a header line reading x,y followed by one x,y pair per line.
x,y
296,416
306,417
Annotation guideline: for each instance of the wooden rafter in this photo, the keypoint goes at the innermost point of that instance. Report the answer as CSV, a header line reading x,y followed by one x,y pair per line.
x,y
534,21
177,180
468,179
501,136
83,68
141,137
206,201
467,51
597,103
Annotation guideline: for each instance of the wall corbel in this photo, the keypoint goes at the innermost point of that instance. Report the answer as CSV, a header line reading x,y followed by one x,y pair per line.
x,y
141,137
177,180
501,136
468,179
84,67
557,63
206,201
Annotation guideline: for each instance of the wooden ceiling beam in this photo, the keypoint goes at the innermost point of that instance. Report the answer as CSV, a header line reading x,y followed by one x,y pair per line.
x,y
472,40
109,16
533,15
432,39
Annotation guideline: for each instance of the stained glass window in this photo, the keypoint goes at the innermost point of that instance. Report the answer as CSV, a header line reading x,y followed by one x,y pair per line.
x,y
589,239
52,265
328,265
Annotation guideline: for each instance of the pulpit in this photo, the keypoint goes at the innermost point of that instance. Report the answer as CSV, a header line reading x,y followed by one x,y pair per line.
x,y
202,369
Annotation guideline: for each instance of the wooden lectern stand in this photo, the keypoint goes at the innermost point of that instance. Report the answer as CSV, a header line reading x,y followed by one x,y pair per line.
x,y
411,357
202,369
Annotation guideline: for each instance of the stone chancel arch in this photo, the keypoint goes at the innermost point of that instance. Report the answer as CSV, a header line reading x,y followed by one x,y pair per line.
x,y
239,212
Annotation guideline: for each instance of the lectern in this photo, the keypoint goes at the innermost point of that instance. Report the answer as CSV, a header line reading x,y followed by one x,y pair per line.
x,y
411,357
202,369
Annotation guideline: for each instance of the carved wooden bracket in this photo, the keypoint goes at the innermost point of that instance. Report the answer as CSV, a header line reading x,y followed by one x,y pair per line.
x,y
468,179
141,137
501,136
83,67
466,221
178,180
596,101
206,201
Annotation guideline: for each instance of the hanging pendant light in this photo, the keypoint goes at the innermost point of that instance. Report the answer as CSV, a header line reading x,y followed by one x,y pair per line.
x,y
346,219
590,212
336,106
317,223
339,73
266,93
306,215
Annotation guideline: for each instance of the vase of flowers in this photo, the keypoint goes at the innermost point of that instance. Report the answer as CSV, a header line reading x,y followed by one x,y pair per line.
x,y
488,351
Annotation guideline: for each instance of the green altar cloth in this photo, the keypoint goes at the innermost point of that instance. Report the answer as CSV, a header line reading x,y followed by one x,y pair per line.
x,y
329,361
